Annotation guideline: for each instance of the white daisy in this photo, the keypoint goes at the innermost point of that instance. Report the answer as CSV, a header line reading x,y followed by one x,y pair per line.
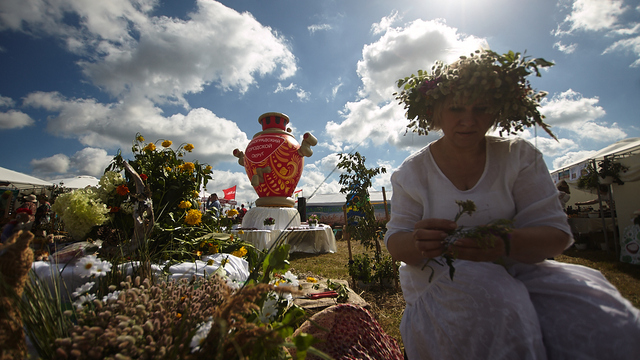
x,y
111,296
292,280
102,268
86,265
269,310
83,299
200,336
83,289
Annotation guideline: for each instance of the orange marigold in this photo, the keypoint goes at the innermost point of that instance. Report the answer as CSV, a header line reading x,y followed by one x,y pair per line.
x,y
122,190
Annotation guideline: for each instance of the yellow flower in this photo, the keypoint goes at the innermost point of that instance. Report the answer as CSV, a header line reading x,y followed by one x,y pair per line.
x,y
167,143
188,167
215,249
150,147
208,169
189,147
167,169
240,252
240,232
232,212
198,253
210,262
312,279
224,261
140,138
195,194
194,217
184,205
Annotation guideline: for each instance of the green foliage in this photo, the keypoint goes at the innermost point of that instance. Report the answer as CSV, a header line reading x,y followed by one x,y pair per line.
x,y
356,181
501,79
592,178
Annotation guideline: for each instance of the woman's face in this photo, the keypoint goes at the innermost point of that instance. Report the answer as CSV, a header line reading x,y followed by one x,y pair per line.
x,y
465,125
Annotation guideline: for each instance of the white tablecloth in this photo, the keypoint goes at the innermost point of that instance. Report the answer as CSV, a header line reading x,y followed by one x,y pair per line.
x,y
587,225
307,240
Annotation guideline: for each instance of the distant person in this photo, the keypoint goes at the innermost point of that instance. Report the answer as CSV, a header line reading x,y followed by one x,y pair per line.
x,y
21,222
30,203
564,193
214,202
43,213
242,211
5,200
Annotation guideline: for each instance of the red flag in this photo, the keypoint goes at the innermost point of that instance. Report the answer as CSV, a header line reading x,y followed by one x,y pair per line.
x,y
297,194
230,193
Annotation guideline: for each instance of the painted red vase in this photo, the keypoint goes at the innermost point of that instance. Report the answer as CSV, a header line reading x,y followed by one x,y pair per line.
x,y
274,160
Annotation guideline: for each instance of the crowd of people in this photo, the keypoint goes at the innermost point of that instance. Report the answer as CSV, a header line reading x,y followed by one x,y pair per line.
x,y
33,213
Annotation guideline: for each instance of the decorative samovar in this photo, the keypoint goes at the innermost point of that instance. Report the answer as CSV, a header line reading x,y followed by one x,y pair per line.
x,y
274,160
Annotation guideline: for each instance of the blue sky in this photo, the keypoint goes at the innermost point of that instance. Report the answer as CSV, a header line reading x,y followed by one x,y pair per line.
x,y
79,79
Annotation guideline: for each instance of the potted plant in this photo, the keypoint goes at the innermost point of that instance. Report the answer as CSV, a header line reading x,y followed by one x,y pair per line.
x,y
269,223
360,270
313,220
610,171
581,241
589,179
384,271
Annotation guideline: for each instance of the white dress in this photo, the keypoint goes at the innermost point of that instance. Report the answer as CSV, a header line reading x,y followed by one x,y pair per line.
x,y
549,310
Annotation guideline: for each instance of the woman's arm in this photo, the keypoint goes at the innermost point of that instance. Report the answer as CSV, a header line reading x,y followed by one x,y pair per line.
x,y
528,245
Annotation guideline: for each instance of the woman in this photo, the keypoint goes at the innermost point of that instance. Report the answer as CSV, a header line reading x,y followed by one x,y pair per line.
x,y
492,296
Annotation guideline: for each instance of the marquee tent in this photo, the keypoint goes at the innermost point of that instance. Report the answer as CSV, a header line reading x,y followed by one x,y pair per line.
x,y
627,196
78,182
328,207
18,181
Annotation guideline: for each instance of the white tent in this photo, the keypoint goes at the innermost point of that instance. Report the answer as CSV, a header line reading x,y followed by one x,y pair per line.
x,y
627,196
16,180
339,199
78,182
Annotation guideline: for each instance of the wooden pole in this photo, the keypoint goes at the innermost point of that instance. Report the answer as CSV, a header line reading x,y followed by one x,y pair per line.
x,y
345,232
384,200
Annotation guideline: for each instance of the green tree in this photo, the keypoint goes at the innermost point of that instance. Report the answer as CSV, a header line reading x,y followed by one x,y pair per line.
x,y
356,181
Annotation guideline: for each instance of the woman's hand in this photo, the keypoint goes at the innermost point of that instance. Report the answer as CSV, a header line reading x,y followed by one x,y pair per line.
x,y
479,249
429,234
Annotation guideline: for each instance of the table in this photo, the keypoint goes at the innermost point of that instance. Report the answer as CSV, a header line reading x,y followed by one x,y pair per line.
x,y
303,239
588,225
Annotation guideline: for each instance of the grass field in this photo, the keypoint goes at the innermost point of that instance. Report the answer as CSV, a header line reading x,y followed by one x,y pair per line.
x,y
387,305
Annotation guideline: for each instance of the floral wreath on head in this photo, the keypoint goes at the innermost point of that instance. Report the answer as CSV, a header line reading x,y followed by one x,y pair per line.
x,y
485,73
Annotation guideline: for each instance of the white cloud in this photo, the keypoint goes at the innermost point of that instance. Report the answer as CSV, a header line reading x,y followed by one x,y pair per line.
x,y
385,23
6,101
114,125
56,164
402,51
399,52
570,158
161,58
594,15
602,16
14,119
631,44
300,93
318,27
567,49
571,111
90,161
